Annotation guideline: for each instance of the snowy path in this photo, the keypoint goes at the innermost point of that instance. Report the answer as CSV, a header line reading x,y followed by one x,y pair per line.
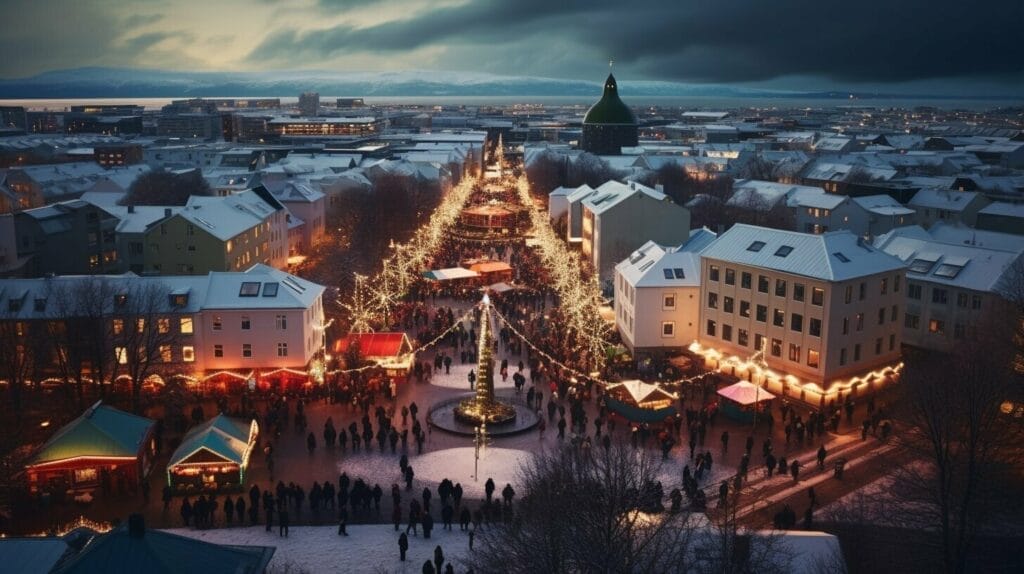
x,y
369,548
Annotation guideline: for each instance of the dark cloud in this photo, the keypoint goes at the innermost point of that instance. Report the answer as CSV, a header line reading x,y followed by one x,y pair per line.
x,y
726,41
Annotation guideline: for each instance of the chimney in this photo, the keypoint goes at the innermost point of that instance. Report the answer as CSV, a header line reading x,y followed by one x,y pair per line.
x,y
167,212
136,526
131,208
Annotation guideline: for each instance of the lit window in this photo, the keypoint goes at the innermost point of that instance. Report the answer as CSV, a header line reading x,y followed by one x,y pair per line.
x,y
217,323
188,354
712,328
117,326
165,353
776,347
163,325
813,358
937,326
122,355
794,353
186,325
140,324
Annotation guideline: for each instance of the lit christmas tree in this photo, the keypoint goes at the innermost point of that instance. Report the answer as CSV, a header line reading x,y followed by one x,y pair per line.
x,y
483,408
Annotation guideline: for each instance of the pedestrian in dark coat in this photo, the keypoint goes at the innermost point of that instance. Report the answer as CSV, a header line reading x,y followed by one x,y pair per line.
x,y
822,453
448,569
240,509
311,442
428,524
229,509
396,515
167,494
343,522
794,469
464,519
428,568
489,489
282,517
446,516
507,494
438,558
186,511
403,546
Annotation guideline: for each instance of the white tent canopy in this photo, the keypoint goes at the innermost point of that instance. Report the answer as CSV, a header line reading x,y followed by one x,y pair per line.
x,y
641,391
450,274
745,393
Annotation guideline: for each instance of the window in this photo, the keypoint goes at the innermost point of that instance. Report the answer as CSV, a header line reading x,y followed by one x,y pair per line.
x,y
270,289
668,273
846,325
794,352
217,323
84,475
678,273
841,256
959,331
842,357
878,346
783,251
247,350
892,342
896,284
727,332
856,352
817,296
796,322
249,289
780,288
762,314
668,329
895,312
860,322
913,291
727,304
745,309
188,354
912,321
776,347
730,276
921,266
246,323
949,271
163,325
122,355
975,302
937,326
742,337
762,284
218,350
713,272
939,296
117,326
798,292
186,325
745,280
813,358
815,327
863,288
778,318
668,303
140,324
885,285
881,316
282,348
759,342
849,293
712,328
165,353
756,246
712,300
961,300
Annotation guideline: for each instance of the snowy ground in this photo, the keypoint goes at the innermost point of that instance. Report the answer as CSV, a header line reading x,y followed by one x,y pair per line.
x,y
458,377
318,549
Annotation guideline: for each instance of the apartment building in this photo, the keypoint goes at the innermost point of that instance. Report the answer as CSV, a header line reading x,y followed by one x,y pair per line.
x,y
809,316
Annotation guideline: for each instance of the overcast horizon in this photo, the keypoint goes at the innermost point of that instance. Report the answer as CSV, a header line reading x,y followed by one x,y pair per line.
x,y
798,45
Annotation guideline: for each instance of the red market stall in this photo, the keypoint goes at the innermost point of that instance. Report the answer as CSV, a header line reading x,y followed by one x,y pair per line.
x,y
390,351
103,448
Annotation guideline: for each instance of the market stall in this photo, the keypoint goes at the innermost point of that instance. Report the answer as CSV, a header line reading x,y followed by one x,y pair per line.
x,y
493,271
451,274
741,400
638,401
103,448
213,455
390,351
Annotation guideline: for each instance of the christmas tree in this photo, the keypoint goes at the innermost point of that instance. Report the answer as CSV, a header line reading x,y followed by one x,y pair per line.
x,y
483,407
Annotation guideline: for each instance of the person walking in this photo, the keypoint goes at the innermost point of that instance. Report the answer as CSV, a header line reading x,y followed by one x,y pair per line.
x,y
343,522
283,520
794,469
403,546
725,442
822,453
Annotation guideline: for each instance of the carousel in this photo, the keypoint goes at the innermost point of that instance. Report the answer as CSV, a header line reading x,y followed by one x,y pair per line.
x,y
640,402
492,220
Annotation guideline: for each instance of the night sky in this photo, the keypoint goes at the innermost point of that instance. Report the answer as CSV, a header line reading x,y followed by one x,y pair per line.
x,y
942,46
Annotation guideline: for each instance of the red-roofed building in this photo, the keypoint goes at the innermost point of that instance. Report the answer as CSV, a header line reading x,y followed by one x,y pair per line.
x,y
392,351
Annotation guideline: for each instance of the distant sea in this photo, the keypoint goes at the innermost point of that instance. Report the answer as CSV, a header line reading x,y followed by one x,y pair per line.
x,y
682,102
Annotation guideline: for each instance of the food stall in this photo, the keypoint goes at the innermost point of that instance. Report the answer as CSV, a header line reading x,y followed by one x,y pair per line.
x,y
214,455
638,401
741,400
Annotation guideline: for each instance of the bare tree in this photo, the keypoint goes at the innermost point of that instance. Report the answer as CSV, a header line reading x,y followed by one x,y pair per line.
x,y
160,187
80,332
757,167
599,511
969,448
143,336
17,355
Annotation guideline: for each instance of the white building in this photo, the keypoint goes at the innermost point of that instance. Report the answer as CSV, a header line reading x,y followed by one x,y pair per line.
x,y
257,321
824,309
618,218
934,205
957,277
657,295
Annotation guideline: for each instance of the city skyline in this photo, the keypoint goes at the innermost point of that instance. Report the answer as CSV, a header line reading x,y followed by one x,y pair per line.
x,y
795,46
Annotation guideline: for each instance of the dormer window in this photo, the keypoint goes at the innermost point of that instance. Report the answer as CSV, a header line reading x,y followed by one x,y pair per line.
x,y
121,299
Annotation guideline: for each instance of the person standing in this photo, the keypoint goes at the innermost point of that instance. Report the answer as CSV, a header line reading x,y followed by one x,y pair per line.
x,y
343,522
403,546
282,517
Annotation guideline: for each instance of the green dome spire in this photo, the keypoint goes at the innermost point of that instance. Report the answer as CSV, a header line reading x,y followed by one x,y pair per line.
x,y
610,109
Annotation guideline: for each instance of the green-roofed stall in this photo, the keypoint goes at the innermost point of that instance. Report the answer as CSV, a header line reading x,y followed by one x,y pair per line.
x,y
213,455
104,447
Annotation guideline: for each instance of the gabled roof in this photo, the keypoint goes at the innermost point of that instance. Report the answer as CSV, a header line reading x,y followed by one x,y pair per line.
x,y
882,205
276,290
640,391
223,436
611,193
831,256
944,199
101,431
376,344
158,552
655,266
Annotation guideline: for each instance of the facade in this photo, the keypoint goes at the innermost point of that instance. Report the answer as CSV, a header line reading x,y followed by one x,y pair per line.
x,y
252,324
228,233
71,237
37,185
1002,217
808,316
204,126
657,295
609,124
309,104
308,205
618,218
364,126
957,278
933,205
